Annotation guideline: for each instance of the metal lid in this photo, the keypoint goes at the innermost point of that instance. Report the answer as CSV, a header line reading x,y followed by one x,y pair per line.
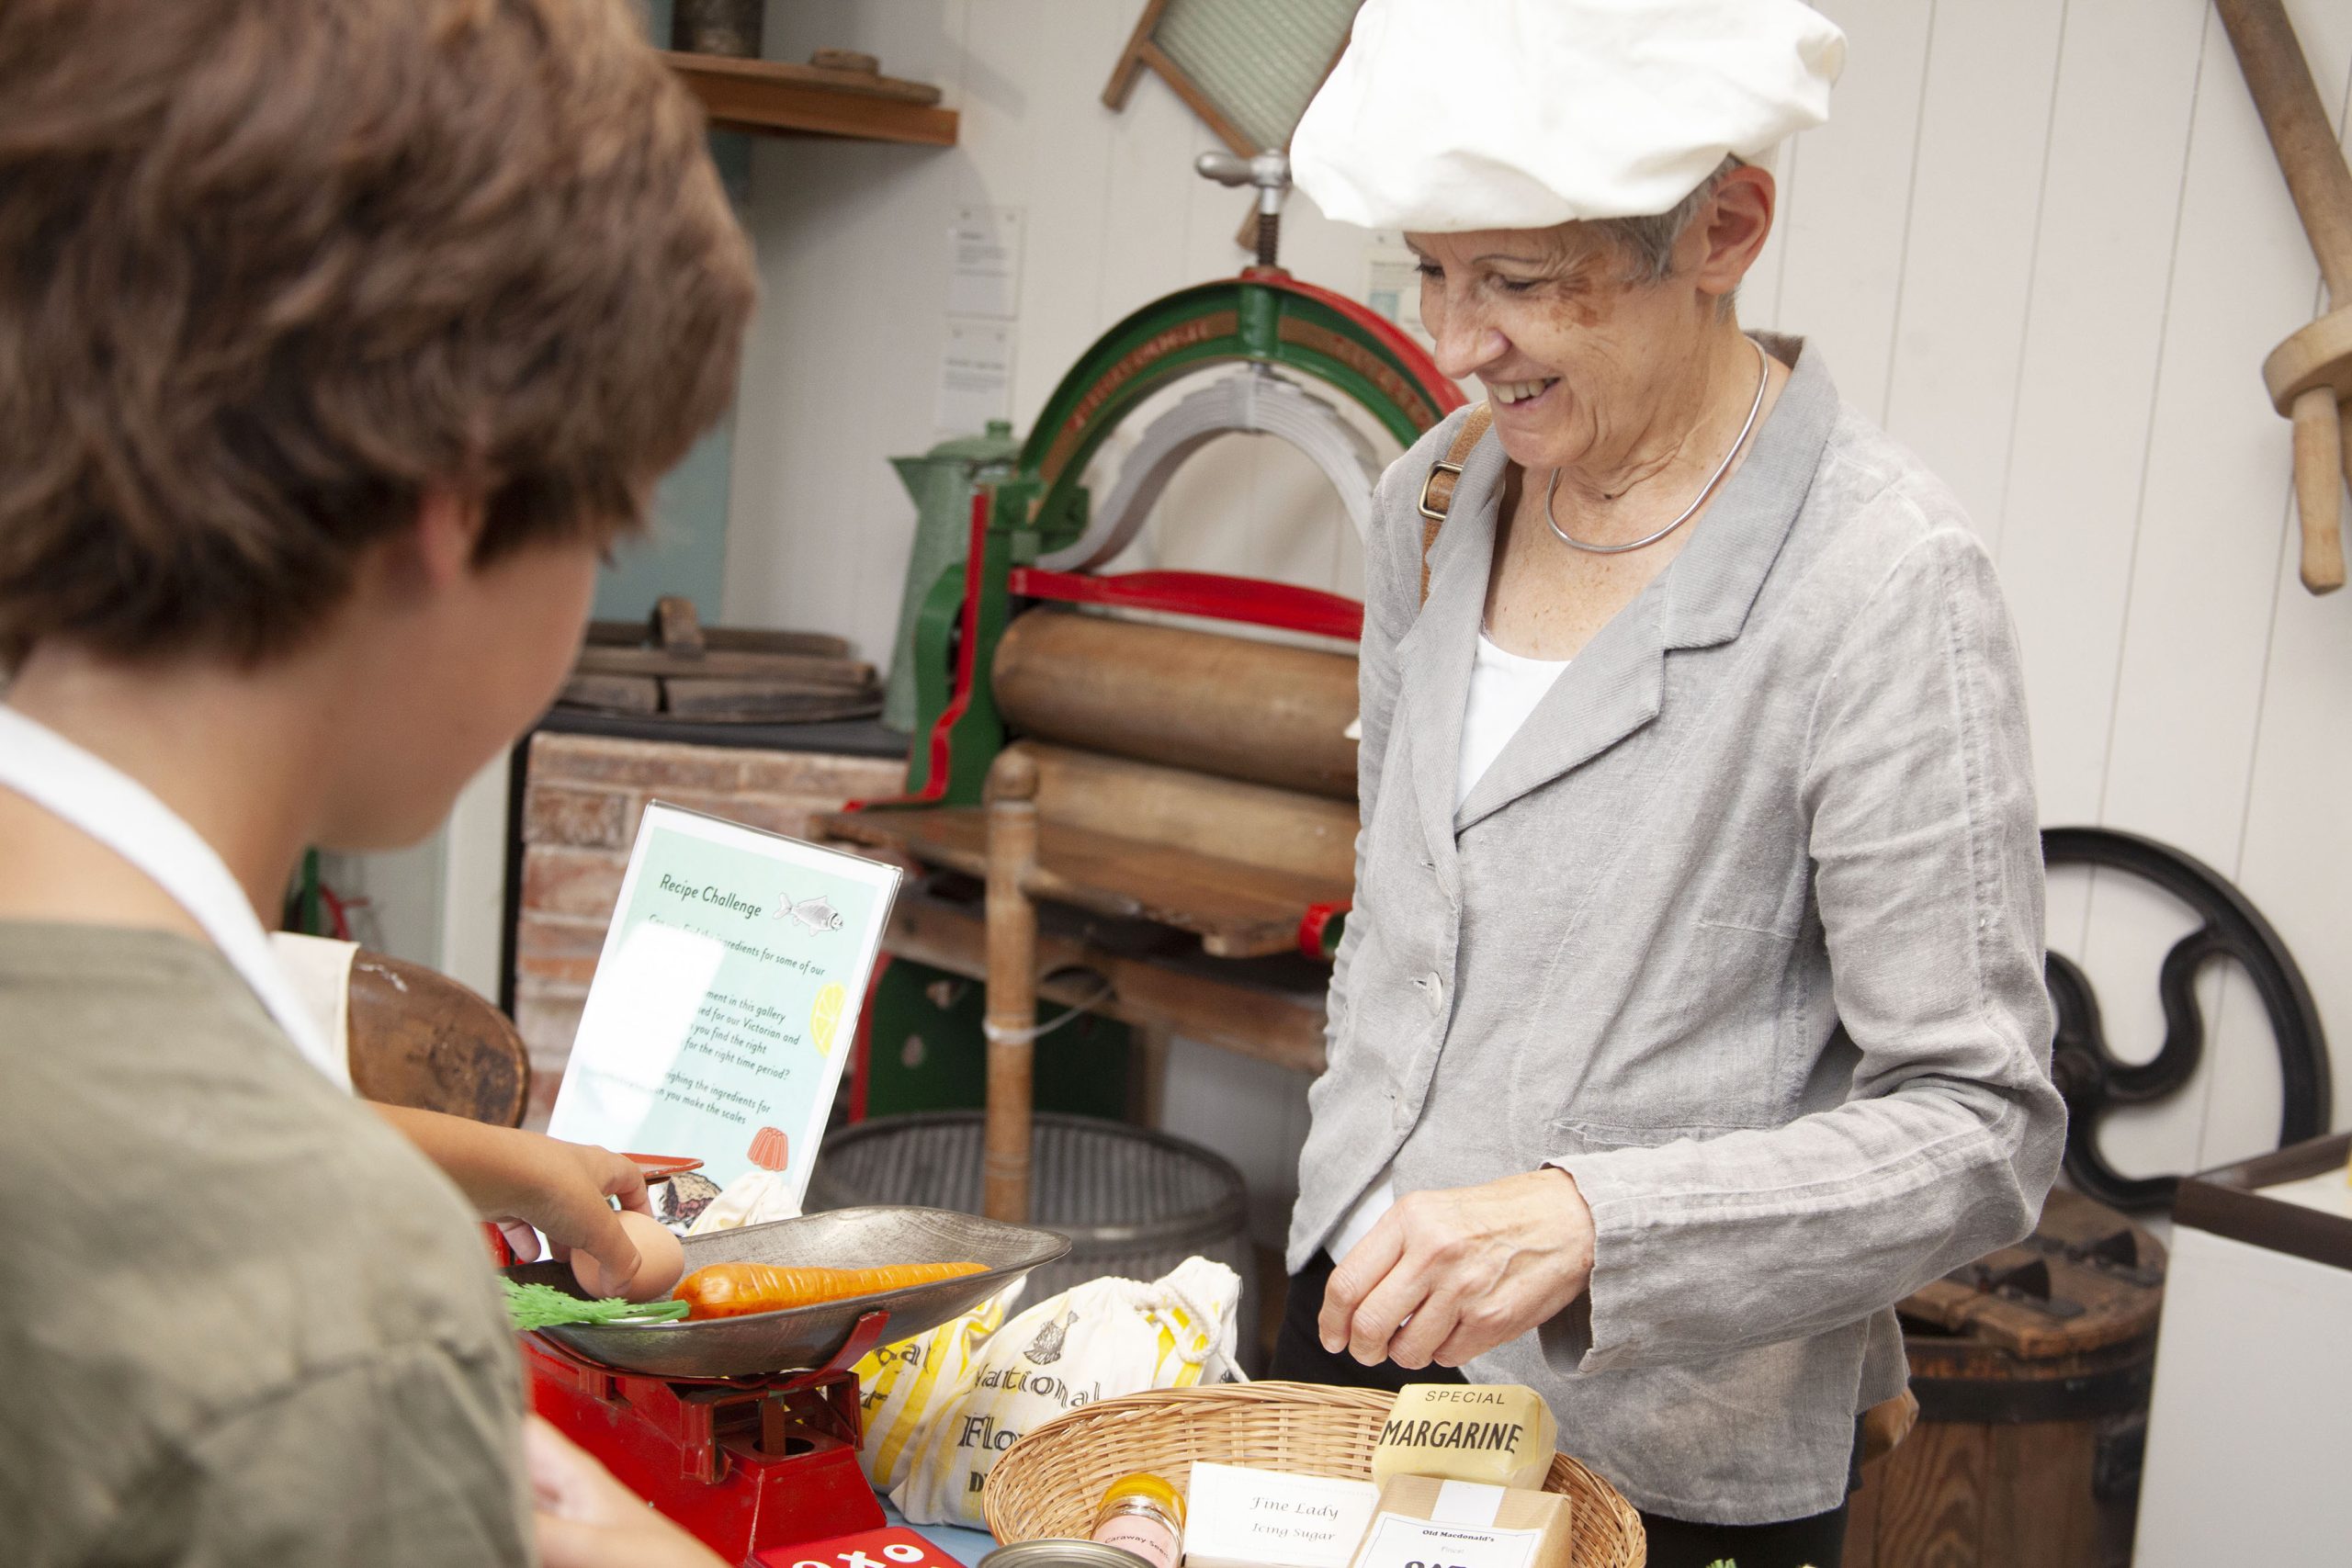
x,y
997,444
1058,1553
1143,1487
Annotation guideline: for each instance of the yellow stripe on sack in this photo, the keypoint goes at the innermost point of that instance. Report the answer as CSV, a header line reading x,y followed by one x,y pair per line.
x,y
874,1379
1172,1320
907,1419
1190,1374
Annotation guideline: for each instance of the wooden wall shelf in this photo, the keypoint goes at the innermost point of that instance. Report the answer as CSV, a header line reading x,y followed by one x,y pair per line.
x,y
773,97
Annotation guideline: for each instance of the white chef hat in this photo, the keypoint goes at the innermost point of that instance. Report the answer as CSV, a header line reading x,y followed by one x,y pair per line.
x,y
1451,114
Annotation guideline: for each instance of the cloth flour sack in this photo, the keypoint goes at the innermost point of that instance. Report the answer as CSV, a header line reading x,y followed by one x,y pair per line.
x,y
903,1388
1098,1340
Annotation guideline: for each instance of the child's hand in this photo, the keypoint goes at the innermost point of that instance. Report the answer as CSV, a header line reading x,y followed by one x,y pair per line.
x,y
586,1519
516,1180
562,1189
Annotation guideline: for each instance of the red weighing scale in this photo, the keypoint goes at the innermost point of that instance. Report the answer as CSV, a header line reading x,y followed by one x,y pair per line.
x,y
746,1464
751,1460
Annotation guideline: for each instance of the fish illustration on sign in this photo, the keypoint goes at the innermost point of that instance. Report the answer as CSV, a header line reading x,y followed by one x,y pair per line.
x,y
818,914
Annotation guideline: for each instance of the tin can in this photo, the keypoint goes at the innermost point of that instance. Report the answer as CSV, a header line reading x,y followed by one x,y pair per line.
x,y
1059,1553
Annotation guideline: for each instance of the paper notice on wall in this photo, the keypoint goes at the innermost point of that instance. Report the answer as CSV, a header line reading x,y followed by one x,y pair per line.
x,y
975,375
984,263
726,999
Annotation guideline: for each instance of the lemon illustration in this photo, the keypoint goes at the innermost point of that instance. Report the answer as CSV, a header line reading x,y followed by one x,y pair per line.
x,y
825,1016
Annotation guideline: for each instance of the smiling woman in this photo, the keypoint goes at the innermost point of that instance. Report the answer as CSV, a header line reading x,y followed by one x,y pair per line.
x,y
1691,1011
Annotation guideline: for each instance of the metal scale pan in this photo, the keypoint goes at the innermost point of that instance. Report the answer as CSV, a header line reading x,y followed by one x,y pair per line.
x,y
806,1338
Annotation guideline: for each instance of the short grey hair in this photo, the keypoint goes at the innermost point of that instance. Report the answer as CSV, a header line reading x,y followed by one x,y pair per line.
x,y
1648,241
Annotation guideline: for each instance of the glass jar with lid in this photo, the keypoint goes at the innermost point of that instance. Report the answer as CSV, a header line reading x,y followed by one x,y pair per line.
x,y
1145,1515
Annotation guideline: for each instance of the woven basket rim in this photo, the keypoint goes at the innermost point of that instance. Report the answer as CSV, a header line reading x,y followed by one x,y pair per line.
x,y
1302,1407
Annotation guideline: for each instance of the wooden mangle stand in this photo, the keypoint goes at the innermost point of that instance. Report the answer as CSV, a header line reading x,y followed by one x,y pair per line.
x,y
1164,818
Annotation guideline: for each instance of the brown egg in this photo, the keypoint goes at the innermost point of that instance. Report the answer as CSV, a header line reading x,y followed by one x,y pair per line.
x,y
661,1263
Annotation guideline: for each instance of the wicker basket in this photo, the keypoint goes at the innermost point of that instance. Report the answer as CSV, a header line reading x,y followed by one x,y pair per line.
x,y
1049,1482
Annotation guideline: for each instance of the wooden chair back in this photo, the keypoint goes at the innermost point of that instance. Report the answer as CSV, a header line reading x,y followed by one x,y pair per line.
x,y
419,1039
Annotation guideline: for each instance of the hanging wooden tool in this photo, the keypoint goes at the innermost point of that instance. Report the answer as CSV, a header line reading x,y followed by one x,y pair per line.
x,y
2310,374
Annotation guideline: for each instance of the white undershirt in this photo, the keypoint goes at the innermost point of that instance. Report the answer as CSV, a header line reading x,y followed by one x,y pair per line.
x,y
1504,688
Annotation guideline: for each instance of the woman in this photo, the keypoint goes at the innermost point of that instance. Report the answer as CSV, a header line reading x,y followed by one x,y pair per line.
x,y
336,345
1691,1011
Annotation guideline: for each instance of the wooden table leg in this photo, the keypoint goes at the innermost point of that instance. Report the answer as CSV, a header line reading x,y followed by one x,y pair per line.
x,y
1012,986
1148,1073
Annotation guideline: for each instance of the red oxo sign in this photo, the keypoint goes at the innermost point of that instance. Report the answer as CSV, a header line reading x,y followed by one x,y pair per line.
x,y
894,1548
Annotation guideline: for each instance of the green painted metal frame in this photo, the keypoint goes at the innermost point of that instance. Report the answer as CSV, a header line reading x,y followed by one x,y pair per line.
x,y
1264,317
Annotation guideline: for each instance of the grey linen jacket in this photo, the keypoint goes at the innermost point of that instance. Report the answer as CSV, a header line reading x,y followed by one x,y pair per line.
x,y
1743,929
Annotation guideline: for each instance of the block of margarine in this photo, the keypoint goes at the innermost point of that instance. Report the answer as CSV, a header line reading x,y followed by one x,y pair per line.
x,y
1420,1521
1499,1434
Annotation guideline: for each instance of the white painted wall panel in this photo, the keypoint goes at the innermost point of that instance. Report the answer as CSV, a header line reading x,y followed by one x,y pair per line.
x,y
1843,271
1960,332
2126,86
2214,519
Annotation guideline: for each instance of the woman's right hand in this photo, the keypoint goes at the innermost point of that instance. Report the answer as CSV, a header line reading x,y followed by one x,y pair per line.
x,y
584,1519
1455,1272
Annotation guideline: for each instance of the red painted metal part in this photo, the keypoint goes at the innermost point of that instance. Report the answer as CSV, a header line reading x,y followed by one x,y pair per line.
x,y
1251,600
1434,381
897,1547
745,1466
967,650
1314,927
862,1061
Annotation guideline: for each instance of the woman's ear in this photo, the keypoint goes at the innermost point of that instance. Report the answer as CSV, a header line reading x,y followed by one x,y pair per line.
x,y
1737,221
449,526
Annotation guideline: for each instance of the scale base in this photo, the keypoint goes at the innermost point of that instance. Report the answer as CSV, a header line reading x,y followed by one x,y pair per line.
x,y
744,1467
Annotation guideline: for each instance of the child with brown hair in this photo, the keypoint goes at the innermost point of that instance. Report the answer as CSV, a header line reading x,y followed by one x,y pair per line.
x,y
338,340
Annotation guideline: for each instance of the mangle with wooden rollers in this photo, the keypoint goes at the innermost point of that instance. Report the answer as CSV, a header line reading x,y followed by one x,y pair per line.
x,y
1154,818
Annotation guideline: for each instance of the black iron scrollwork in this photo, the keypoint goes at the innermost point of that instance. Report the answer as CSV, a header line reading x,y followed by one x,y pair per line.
x,y
2090,1075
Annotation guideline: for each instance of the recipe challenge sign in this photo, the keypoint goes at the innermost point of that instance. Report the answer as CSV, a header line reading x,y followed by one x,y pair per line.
x,y
725,998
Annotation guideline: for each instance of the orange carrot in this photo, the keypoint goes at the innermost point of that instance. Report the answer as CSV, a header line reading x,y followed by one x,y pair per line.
x,y
733,1290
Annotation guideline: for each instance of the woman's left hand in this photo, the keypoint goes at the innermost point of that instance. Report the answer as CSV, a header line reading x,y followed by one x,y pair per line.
x,y
1452,1274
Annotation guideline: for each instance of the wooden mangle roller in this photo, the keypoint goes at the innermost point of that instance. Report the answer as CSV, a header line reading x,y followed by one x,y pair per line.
x,y
1204,782
1234,707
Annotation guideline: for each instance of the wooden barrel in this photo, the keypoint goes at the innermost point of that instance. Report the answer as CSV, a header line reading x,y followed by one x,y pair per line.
x,y
1240,708
2032,1367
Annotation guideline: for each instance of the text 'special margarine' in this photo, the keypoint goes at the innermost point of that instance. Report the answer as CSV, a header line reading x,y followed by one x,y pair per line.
x,y
1497,1434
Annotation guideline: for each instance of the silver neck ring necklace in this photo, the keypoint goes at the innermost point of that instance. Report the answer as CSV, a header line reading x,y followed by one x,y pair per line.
x,y
1763,378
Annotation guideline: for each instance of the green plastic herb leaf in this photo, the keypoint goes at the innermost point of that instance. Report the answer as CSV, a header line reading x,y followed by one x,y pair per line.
x,y
543,1306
